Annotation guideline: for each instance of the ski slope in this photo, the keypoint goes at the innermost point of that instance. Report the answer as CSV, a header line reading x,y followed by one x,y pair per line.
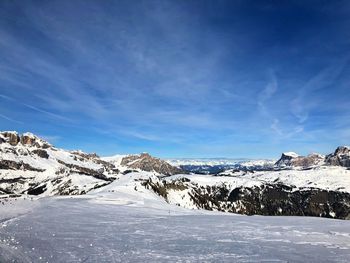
x,y
124,226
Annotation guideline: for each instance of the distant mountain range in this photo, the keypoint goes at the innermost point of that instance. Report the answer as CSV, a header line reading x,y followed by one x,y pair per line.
x,y
288,160
217,165
313,185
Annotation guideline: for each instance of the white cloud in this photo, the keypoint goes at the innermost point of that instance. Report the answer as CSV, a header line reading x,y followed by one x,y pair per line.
x,y
306,99
10,119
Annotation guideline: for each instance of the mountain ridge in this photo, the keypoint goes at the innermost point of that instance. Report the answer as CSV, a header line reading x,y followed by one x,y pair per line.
x,y
312,185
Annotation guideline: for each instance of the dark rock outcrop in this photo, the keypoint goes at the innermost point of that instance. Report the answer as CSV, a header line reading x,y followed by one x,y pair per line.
x,y
13,165
340,157
41,153
146,162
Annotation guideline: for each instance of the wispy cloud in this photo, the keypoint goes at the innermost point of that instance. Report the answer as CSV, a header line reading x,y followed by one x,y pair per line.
x,y
267,93
34,108
10,119
263,99
306,98
271,113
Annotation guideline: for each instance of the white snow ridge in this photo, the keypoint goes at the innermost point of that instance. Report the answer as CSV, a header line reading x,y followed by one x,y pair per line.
x,y
70,206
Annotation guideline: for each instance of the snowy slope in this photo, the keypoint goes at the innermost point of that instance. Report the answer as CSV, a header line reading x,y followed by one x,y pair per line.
x,y
128,190
82,229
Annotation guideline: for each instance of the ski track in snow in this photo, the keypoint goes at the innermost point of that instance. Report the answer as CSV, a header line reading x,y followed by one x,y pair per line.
x,y
84,229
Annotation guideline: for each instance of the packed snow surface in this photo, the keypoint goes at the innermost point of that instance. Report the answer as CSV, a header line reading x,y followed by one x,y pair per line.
x,y
123,223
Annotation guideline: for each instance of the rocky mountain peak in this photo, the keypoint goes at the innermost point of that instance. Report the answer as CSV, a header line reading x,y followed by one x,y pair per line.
x,y
340,157
342,150
292,159
286,159
146,162
26,139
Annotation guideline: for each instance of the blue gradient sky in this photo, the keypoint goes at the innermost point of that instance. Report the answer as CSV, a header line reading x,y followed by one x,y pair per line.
x,y
178,78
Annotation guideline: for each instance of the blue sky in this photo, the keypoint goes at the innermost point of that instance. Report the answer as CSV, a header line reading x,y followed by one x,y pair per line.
x,y
178,78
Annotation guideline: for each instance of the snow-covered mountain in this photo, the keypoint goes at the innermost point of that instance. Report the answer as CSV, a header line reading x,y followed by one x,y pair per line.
x,y
341,157
148,163
295,185
291,160
30,165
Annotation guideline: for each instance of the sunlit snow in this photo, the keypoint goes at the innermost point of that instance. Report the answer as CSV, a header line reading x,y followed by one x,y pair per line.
x,y
117,226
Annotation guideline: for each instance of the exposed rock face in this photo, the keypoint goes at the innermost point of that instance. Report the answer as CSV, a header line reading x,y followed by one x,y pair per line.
x,y
146,162
11,137
289,160
341,157
41,153
308,161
